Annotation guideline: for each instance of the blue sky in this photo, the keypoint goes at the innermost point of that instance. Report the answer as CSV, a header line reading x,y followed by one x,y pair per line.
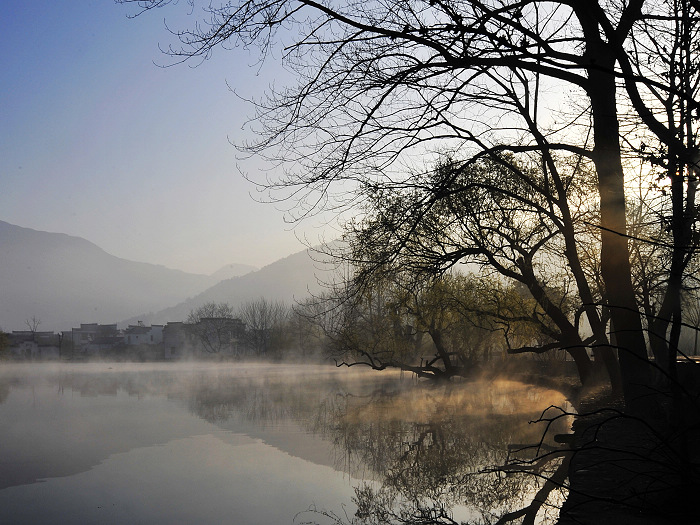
x,y
98,141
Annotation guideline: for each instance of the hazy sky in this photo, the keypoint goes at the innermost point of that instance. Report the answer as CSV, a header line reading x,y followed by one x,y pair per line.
x,y
99,142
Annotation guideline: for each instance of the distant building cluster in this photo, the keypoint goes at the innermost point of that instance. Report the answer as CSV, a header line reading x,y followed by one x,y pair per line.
x,y
174,340
34,345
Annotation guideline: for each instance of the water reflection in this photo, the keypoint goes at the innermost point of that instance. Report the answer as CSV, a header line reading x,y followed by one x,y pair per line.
x,y
425,451
433,449
413,452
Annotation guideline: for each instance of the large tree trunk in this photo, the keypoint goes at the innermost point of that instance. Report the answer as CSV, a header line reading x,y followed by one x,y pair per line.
x,y
603,354
572,341
615,260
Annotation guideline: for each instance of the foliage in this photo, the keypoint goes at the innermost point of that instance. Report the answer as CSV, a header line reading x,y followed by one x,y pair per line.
x,y
504,217
450,326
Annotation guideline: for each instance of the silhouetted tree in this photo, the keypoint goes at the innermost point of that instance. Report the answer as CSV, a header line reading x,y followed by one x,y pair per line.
x,y
382,86
443,328
507,218
691,312
33,324
386,89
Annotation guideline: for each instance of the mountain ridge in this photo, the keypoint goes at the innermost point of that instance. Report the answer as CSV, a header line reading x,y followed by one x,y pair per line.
x,y
64,280
290,279
229,271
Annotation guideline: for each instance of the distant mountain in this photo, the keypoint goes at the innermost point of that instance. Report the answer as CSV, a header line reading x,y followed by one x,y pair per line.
x,y
291,279
232,270
64,280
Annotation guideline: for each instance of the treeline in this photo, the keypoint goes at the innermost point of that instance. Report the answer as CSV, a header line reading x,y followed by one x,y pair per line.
x,y
261,328
447,327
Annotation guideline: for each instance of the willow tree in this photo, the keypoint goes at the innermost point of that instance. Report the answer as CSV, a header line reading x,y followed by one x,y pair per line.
x,y
527,225
437,329
383,87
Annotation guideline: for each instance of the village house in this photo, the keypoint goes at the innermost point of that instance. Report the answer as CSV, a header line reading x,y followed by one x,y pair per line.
x,y
26,344
141,334
223,336
92,338
175,340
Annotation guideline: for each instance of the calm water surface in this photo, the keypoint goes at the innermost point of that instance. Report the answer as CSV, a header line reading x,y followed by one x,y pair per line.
x,y
254,444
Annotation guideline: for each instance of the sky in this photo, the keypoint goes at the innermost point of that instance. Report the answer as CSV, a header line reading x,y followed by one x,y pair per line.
x,y
98,141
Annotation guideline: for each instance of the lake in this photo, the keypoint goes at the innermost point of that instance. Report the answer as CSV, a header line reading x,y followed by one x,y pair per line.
x,y
260,444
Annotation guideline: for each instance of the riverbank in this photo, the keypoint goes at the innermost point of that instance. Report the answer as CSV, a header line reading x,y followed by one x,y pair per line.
x,y
631,470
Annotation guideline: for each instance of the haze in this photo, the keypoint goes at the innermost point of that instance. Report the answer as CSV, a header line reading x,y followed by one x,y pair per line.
x,y
99,142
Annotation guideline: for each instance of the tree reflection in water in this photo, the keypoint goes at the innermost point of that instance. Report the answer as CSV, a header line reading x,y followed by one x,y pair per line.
x,y
436,463
463,452
429,454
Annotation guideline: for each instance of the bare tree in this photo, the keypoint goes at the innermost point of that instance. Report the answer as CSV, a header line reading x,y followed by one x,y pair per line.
x,y
449,326
214,326
33,324
385,86
306,337
265,325
507,218
691,313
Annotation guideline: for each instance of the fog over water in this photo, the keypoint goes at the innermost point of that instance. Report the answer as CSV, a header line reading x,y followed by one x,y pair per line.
x,y
249,443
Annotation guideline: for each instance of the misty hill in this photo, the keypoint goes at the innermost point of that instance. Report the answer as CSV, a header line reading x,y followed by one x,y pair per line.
x,y
232,270
65,280
291,279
